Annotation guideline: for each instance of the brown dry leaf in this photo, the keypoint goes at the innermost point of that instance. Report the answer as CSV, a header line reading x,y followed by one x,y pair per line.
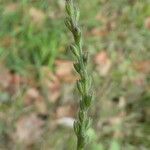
x,y
118,134
101,18
54,87
111,25
147,23
5,78
9,81
65,111
98,32
11,8
52,84
37,16
64,71
142,66
139,80
14,84
7,41
103,63
29,129
32,95
54,91
41,107
116,122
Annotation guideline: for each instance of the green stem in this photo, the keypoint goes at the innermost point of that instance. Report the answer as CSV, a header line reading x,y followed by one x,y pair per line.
x,y
80,148
79,145
83,122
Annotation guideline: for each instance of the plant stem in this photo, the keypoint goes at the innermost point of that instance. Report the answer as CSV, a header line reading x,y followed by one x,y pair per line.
x,y
80,148
79,145
83,122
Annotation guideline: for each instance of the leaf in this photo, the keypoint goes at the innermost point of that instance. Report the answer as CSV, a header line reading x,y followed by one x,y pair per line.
x,y
5,78
29,129
32,95
99,32
7,41
65,111
142,66
103,63
64,71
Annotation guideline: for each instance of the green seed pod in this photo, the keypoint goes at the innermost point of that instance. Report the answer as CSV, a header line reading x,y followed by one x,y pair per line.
x,y
77,67
77,14
85,57
88,123
69,7
74,50
82,105
68,24
81,115
83,135
87,100
79,87
77,35
88,82
76,127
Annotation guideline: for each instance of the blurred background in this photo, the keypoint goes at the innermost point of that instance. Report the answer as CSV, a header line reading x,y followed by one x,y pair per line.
x,y
38,97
